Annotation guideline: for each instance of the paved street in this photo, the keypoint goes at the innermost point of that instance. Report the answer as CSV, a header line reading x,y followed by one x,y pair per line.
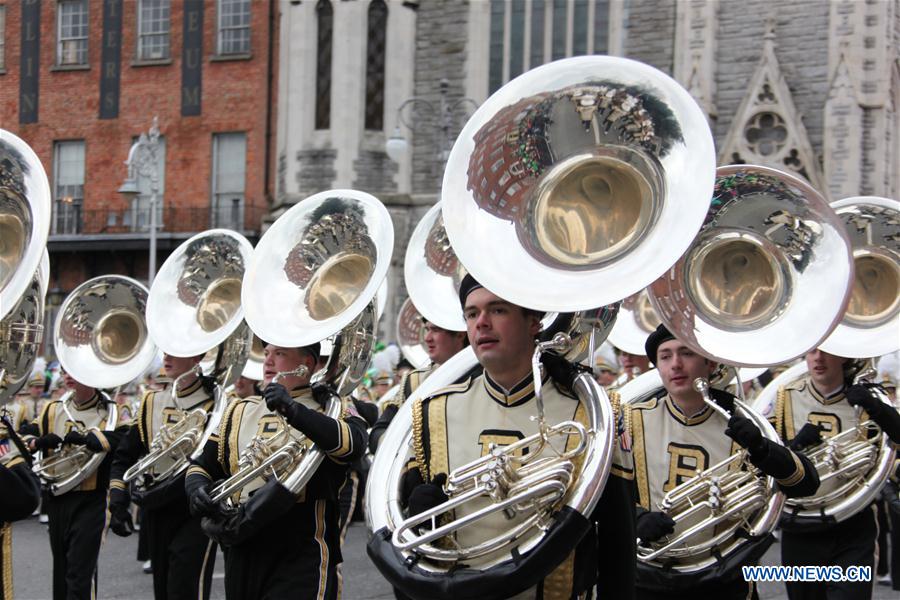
x,y
121,575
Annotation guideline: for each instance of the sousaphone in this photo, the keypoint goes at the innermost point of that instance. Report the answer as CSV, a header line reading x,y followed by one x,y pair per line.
x,y
313,277
194,307
853,465
24,266
101,340
558,191
765,280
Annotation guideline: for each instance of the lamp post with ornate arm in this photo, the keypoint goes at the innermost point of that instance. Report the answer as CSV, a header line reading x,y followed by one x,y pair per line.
x,y
143,162
396,145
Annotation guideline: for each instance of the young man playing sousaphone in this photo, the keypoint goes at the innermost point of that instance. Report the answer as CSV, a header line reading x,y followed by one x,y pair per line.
x,y
808,410
460,423
440,344
278,545
182,556
677,435
76,518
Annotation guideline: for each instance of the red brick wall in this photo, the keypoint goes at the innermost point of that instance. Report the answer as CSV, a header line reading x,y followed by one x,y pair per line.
x,y
234,98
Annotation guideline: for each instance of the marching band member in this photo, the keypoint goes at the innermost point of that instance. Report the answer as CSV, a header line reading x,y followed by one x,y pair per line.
x,y
32,401
279,545
460,422
244,387
77,517
20,495
181,555
675,436
823,404
440,344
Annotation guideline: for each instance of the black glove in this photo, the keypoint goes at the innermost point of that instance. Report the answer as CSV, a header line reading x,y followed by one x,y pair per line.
x,y
863,397
88,440
427,495
48,442
201,505
809,435
278,399
27,428
562,371
651,526
322,391
267,504
119,516
743,431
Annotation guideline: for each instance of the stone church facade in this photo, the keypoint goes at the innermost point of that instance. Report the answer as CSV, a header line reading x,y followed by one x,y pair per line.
x,y
810,86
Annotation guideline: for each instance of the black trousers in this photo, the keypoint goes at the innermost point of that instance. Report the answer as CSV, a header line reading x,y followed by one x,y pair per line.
x,y
183,557
294,557
845,544
76,522
733,590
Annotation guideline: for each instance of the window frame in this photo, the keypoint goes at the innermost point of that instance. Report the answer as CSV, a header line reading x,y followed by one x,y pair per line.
x,y
141,36
75,206
217,208
244,53
61,40
2,38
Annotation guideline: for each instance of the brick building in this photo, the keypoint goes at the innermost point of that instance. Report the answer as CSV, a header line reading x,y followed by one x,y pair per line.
x,y
81,79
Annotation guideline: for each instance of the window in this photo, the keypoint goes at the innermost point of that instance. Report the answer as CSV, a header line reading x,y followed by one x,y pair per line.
x,y
153,29
2,37
541,31
139,218
234,27
72,32
325,17
377,34
229,168
68,188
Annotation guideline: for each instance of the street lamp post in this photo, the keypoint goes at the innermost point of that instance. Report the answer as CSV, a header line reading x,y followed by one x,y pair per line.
x,y
142,162
396,145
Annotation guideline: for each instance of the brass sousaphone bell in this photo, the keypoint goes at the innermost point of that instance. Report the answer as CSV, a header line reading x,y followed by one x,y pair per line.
x,y
194,307
854,464
101,340
24,265
313,277
563,185
765,280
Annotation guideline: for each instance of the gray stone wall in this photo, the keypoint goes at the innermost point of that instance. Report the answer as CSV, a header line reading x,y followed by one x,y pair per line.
x,y
650,32
801,32
440,53
315,170
374,172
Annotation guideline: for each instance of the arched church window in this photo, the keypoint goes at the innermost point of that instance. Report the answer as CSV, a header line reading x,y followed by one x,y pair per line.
x,y
375,50
325,22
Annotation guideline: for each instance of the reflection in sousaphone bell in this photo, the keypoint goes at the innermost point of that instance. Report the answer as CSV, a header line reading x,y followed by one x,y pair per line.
x,y
433,272
320,263
101,335
410,335
606,174
770,246
872,319
637,319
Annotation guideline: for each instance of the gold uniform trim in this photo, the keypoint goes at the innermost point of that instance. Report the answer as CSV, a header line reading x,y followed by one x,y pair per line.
x,y
639,452
6,535
795,477
223,430
144,416
438,458
117,484
102,439
323,549
16,460
234,448
418,444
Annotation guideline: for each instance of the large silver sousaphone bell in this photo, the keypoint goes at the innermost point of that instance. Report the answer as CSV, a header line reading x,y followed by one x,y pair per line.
x,y
872,319
767,277
101,332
